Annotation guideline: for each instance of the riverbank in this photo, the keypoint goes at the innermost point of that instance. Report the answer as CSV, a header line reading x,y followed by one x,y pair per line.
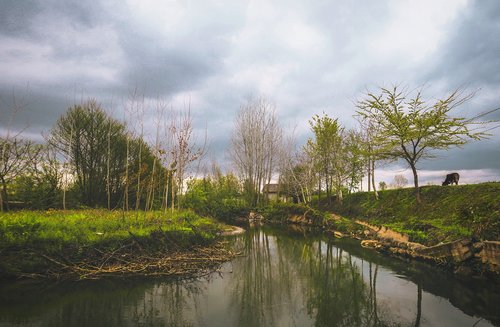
x,y
92,244
468,255
446,214
455,226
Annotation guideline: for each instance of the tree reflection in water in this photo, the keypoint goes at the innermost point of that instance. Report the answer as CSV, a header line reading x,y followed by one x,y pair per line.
x,y
280,280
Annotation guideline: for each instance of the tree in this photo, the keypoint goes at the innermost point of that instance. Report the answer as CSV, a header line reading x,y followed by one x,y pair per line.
x,y
330,149
399,181
355,159
16,153
15,158
39,186
255,142
82,135
382,186
411,128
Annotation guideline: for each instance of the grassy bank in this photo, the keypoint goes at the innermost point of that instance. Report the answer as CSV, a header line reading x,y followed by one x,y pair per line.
x,y
285,213
445,214
93,243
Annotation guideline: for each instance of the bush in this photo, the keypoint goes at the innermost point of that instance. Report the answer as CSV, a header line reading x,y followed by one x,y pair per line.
x,y
282,211
219,198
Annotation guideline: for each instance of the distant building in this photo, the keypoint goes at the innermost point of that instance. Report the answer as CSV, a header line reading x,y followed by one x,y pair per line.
x,y
271,191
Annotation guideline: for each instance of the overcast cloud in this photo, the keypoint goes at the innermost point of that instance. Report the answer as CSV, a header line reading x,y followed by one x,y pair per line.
x,y
307,57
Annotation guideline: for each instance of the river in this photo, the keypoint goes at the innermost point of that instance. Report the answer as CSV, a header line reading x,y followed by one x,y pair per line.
x,y
282,278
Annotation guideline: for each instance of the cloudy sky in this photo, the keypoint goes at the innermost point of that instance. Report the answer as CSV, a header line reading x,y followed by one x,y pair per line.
x,y
307,57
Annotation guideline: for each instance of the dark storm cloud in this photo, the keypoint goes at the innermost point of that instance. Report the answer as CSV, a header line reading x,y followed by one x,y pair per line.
x,y
472,53
26,18
470,58
68,51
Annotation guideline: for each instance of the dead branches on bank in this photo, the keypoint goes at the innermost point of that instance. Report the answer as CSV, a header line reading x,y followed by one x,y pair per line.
x,y
134,259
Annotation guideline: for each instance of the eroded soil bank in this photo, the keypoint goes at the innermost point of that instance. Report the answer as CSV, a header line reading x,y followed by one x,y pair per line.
x,y
464,256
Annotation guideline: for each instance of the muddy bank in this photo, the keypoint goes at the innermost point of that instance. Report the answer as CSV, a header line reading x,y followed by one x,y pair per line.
x,y
465,256
158,257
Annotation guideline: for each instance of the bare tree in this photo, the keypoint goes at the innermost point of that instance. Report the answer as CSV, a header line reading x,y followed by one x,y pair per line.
x,y
254,143
292,171
16,154
399,181
185,150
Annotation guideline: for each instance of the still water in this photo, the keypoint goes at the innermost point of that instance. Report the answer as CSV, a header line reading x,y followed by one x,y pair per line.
x,y
283,278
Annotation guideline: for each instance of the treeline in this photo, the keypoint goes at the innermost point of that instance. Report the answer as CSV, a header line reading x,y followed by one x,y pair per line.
x,y
394,124
90,159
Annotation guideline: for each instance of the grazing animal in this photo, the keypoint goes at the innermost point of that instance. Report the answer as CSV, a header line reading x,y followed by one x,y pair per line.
x,y
451,178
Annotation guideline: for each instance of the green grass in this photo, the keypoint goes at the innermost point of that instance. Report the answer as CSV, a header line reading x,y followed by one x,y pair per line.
x,y
27,238
91,227
446,213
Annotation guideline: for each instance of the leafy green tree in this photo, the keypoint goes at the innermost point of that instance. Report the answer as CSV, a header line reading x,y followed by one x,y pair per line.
x,y
330,148
98,149
411,128
81,134
355,159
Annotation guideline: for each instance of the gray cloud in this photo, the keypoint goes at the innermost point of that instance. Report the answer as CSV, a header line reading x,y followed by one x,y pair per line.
x,y
306,57
472,53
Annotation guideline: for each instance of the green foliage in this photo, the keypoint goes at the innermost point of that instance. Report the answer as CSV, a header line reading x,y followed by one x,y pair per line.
x,y
218,197
407,127
282,211
58,229
99,149
445,214
28,237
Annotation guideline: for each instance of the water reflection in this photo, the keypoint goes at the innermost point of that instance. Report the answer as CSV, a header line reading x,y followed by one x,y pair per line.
x,y
307,282
283,279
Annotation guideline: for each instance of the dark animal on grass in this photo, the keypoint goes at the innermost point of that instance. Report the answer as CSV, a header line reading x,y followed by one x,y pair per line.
x,y
451,178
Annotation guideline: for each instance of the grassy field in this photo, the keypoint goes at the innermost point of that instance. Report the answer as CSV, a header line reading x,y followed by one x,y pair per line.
x,y
445,214
34,242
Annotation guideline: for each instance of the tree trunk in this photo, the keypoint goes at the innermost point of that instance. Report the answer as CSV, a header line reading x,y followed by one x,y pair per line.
x,y
4,197
369,175
415,182
126,176
1,202
373,179
108,190
138,190
319,190
166,191
173,191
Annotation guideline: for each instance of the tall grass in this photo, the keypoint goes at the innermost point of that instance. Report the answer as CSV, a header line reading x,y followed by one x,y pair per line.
x,y
90,227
